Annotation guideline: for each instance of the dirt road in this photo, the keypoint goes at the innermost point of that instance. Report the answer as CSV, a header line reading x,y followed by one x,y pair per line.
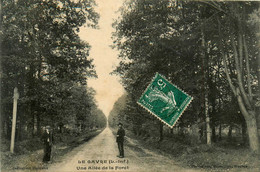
x,y
100,154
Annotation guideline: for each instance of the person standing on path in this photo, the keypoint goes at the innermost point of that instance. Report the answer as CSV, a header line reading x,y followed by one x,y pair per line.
x,y
47,139
120,140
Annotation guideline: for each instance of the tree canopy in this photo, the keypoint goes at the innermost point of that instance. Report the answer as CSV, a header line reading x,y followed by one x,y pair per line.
x,y
209,49
43,56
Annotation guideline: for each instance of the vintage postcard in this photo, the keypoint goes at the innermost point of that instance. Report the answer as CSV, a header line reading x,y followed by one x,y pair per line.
x,y
129,85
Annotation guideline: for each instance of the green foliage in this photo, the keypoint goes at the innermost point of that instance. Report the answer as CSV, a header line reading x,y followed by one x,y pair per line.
x,y
184,41
116,114
99,120
44,57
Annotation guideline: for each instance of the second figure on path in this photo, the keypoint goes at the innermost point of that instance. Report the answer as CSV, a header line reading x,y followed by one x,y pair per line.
x,y
47,139
120,140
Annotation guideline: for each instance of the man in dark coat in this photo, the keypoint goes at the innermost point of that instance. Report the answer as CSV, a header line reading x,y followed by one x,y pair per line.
x,y
47,139
120,140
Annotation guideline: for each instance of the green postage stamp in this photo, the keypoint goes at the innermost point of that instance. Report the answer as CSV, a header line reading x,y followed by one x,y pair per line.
x,y
164,100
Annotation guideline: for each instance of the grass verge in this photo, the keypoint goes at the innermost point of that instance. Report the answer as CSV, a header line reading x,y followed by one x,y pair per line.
x,y
28,155
222,156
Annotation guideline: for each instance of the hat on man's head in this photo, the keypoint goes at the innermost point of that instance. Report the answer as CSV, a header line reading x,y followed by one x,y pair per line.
x,y
48,127
120,123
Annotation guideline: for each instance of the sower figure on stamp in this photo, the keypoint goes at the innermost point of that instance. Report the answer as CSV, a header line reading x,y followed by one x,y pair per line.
x,y
120,140
47,139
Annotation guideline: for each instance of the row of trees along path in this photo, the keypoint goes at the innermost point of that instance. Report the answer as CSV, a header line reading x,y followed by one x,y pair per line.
x,y
209,49
43,56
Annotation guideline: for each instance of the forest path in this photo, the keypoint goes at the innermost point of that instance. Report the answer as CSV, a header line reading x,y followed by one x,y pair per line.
x,y
100,154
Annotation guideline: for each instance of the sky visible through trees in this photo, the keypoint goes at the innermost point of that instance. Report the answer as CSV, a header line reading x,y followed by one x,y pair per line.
x,y
107,86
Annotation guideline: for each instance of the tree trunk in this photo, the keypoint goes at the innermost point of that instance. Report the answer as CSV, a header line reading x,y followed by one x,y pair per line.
x,y
161,131
244,135
208,130
230,133
252,133
220,132
171,130
250,119
244,104
258,77
32,129
201,133
213,117
204,85
213,130
38,124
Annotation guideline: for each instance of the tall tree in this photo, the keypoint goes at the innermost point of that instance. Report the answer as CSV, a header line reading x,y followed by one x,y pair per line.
x,y
241,85
184,41
42,54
